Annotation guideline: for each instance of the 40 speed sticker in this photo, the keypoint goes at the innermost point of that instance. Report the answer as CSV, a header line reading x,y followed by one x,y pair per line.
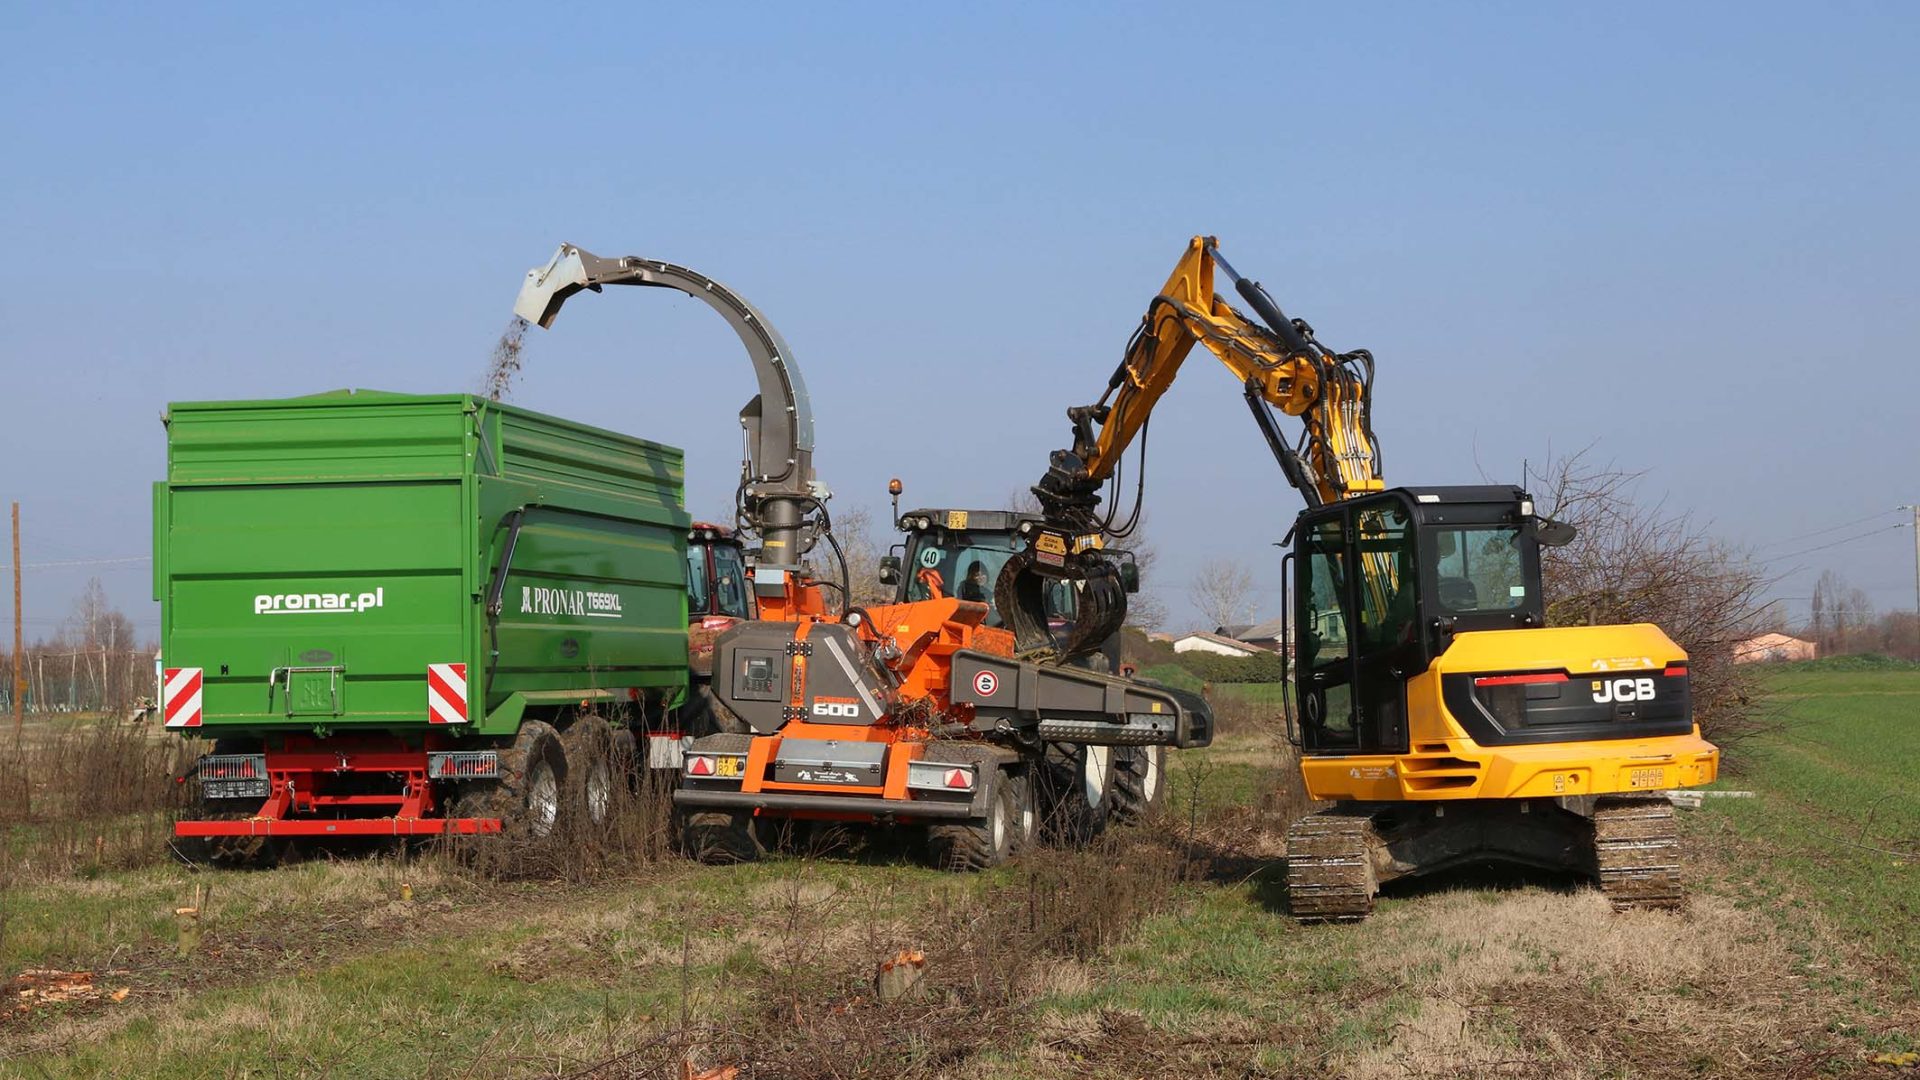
x,y
986,684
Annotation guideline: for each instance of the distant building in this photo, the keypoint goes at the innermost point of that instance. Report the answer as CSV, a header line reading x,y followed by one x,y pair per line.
x,y
1220,644
1264,635
1773,647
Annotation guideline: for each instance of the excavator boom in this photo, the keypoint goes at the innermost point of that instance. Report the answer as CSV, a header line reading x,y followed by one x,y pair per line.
x,y
1281,367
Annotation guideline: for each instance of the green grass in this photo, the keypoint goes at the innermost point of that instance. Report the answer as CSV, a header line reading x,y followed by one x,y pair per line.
x,y
318,967
1837,820
1265,694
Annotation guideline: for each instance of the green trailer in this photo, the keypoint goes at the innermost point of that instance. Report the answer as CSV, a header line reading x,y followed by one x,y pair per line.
x,y
410,614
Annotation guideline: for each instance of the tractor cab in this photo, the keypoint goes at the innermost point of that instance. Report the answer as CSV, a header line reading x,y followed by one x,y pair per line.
x,y
717,584
960,553
1382,586
719,593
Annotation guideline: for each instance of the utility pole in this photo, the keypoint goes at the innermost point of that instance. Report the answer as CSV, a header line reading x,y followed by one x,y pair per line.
x,y
1916,577
19,680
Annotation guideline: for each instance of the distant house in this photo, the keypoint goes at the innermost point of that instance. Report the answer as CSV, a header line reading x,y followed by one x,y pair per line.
x,y
1264,635
1773,647
1220,644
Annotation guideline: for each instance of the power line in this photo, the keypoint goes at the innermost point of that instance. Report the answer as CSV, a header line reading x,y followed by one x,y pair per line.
x,y
1828,529
1834,544
81,562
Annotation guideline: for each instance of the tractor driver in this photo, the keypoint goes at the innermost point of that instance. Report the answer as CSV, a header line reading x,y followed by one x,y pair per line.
x,y
975,586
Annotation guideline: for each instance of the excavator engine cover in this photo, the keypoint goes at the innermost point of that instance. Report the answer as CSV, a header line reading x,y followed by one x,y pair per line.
x,y
771,672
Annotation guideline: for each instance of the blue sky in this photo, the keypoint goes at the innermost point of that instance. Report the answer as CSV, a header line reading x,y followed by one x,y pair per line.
x,y
1683,234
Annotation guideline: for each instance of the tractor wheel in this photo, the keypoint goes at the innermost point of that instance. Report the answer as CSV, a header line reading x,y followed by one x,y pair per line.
x,y
703,714
590,753
984,842
1076,785
720,836
528,795
1139,782
1026,801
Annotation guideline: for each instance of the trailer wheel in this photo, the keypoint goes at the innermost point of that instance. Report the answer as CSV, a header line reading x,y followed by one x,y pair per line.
x,y
526,797
231,851
590,751
1139,782
979,843
1076,785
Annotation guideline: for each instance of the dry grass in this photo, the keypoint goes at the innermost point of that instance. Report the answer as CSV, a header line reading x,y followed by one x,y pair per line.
x,y
1159,951
85,797
639,833
1538,983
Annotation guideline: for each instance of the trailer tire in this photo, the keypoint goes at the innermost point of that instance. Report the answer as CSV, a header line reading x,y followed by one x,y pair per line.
x,y
231,852
1076,792
527,796
1139,782
590,750
235,852
979,843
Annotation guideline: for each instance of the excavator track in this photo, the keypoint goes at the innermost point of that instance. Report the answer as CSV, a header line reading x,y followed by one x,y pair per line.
x,y
1330,866
1636,848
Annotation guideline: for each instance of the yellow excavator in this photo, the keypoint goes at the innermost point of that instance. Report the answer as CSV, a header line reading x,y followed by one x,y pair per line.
x,y
1446,722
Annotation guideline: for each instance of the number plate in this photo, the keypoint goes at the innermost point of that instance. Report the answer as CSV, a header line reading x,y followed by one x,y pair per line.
x,y
1647,778
726,766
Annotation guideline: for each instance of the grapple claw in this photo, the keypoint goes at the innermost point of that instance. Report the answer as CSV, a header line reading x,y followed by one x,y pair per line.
x,y
1020,594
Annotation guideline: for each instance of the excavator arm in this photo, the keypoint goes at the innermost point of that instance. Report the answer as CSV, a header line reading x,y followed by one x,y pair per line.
x,y
1280,366
778,489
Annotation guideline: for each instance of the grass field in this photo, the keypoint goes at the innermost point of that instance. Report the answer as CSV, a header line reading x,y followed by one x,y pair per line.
x,y
1838,827
1165,952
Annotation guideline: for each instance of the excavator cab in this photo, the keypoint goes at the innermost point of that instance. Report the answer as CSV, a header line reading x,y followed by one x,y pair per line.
x,y
1381,585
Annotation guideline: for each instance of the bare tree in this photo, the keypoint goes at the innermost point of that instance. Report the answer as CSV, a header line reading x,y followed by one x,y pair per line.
x,y
853,528
1223,590
1843,619
1637,563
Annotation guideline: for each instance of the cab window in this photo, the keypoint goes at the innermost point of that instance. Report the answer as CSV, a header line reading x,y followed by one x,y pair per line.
x,y
730,582
951,566
1388,592
1478,569
698,595
1325,646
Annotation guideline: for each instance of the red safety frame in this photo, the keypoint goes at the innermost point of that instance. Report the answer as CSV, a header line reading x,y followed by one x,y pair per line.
x,y
299,804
